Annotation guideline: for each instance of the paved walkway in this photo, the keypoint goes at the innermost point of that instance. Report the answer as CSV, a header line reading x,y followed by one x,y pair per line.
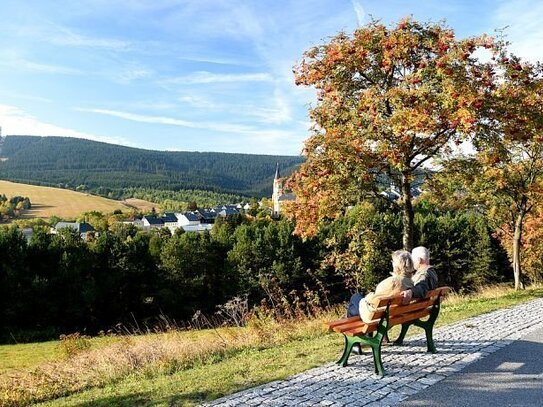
x,y
409,369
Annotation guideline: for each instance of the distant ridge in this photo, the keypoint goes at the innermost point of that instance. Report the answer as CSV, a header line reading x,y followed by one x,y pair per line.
x,y
105,168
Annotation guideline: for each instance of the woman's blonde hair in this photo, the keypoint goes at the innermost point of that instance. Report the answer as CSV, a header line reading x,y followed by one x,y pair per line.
x,y
402,263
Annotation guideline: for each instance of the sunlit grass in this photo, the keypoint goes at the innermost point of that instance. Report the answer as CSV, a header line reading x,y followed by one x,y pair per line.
x,y
185,368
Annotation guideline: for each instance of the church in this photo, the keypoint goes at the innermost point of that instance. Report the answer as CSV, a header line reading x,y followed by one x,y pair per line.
x,y
278,197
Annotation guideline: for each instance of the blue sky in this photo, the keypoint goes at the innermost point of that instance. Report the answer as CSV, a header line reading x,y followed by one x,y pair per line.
x,y
201,75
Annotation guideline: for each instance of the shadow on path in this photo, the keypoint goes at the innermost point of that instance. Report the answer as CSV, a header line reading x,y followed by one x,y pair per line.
x,y
512,376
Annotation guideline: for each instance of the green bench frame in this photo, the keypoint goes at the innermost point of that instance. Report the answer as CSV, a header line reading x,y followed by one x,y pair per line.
x,y
390,312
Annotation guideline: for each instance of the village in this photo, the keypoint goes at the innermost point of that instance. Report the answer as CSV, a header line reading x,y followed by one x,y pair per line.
x,y
198,220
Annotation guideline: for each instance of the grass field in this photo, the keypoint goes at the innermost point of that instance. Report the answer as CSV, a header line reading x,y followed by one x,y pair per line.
x,y
65,203
187,368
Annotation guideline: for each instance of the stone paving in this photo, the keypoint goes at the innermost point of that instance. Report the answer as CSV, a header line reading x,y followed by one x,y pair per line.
x,y
408,369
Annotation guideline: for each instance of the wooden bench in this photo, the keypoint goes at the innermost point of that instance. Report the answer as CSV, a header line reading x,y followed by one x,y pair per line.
x,y
389,312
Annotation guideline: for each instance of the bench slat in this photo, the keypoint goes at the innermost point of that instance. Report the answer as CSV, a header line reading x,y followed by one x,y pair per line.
x,y
400,319
403,309
349,326
342,321
364,329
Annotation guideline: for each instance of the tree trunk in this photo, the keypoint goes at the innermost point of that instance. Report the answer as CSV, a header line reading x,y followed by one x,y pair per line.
x,y
407,212
517,237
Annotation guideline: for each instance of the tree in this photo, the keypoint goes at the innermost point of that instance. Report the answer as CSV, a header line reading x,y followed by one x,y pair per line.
x,y
389,100
96,219
504,176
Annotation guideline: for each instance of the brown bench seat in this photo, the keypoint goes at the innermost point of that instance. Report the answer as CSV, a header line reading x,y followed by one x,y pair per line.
x,y
389,312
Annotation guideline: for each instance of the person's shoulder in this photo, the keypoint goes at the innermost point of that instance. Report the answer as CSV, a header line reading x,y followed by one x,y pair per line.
x,y
431,270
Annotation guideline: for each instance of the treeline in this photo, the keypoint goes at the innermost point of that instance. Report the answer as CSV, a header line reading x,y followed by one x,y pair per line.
x,y
179,200
110,170
12,207
59,283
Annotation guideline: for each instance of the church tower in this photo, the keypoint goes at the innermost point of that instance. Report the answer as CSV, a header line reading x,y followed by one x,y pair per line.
x,y
277,192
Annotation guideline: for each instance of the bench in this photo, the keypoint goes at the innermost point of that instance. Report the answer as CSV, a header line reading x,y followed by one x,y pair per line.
x,y
389,312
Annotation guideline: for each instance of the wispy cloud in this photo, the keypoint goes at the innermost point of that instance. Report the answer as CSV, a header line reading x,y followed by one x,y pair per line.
x,y
16,121
222,127
359,11
23,96
12,60
204,77
47,31
522,19
69,38
253,135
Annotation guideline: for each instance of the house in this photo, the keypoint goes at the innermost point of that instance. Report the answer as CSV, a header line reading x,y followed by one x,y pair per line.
x,y
394,192
226,210
188,218
170,221
152,222
200,227
83,228
137,222
206,216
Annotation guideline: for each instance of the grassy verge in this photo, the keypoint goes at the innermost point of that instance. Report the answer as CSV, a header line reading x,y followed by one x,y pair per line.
x,y
188,368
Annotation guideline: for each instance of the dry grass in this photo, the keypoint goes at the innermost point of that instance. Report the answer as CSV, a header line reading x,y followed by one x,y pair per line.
x,y
485,293
64,203
152,356
147,355
141,204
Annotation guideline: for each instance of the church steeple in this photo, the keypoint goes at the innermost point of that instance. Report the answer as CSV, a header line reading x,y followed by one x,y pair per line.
x,y
277,192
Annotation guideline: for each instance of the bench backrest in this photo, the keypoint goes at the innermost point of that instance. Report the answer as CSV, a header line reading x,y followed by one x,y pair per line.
x,y
397,299
398,313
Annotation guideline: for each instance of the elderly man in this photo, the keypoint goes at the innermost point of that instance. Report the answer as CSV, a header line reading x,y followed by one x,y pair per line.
x,y
425,277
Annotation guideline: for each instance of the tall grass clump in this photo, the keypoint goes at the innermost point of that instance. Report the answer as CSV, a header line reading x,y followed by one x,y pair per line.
x,y
167,353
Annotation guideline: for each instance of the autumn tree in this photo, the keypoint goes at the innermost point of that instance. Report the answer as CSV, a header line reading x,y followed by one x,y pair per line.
x,y
389,100
532,259
504,175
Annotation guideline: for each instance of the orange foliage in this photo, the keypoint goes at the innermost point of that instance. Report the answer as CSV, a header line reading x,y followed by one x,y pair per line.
x,y
389,100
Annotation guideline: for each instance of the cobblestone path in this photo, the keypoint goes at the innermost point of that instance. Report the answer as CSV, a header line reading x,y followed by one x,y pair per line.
x,y
408,369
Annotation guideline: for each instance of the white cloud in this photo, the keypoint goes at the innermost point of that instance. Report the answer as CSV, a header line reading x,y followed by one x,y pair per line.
x,y
16,121
14,61
279,113
23,96
56,34
203,77
222,127
248,139
359,11
69,38
132,74
522,19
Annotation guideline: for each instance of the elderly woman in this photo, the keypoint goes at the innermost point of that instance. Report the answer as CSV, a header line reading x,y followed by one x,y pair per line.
x,y
400,280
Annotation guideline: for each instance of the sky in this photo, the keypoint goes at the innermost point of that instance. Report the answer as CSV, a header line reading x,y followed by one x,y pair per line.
x,y
197,75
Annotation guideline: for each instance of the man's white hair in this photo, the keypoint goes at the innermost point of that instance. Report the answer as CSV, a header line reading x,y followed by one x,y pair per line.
x,y
421,252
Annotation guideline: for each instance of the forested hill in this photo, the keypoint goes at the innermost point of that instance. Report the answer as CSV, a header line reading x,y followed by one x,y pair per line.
x,y
101,167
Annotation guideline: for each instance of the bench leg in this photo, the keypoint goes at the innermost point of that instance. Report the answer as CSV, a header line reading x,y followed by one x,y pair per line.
x,y
405,328
430,340
377,362
428,327
350,341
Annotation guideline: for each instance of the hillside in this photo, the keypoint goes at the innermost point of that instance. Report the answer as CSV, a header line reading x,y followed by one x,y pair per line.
x,y
110,169
64,203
